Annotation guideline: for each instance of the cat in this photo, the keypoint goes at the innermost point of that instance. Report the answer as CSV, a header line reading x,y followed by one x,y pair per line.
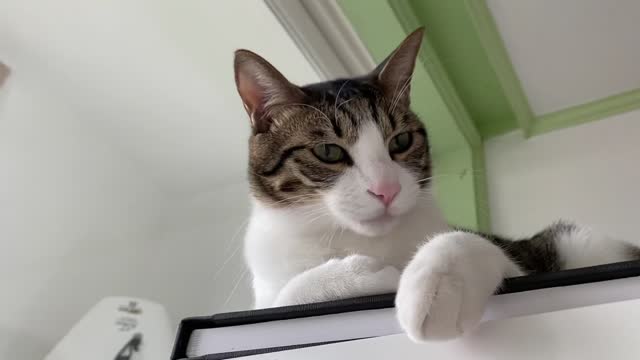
x,y
342,205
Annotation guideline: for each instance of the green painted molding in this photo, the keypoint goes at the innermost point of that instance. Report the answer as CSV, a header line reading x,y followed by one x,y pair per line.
x,y
431,62
469,70
529,123
456,145
591,111
451,32
500,61
481,193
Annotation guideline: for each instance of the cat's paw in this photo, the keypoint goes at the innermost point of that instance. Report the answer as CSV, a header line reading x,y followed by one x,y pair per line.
x,y
352,276
445,288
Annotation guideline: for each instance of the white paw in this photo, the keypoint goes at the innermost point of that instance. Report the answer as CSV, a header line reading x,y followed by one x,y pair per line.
x,y
445,288
352,276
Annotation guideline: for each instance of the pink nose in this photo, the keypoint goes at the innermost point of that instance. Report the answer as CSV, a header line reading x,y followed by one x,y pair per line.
x,y
386,192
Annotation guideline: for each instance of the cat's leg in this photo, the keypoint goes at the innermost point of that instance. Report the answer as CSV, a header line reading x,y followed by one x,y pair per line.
x,y
445,288
352,276
565,245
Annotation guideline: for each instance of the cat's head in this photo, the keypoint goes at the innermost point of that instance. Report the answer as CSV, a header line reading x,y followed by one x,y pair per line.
x,y
350,147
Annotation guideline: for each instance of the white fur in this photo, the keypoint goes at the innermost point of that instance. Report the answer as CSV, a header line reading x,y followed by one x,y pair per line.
x,y
357,275
444,289
331,250
281,244
584,247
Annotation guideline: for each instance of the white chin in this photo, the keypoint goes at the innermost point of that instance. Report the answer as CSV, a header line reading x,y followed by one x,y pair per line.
x,y
374,228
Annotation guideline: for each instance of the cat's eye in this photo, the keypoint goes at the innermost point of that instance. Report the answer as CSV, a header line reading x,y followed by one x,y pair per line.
x,y
329,153
400,143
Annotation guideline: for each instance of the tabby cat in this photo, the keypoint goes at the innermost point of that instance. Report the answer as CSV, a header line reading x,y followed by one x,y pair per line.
x,y
340,177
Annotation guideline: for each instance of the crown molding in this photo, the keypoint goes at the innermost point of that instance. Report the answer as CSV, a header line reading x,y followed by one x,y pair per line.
x,y
325,36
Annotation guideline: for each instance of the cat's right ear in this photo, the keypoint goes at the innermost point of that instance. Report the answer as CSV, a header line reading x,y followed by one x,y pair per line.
x,y
262,87
395,72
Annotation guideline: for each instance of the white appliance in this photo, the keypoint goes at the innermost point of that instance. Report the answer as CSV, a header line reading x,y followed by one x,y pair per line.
x,y
118,328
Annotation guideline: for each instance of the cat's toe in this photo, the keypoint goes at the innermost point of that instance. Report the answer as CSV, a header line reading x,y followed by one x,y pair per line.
x,y
430,307
372,274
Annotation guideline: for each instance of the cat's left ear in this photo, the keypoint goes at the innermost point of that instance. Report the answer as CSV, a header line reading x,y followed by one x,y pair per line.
x,y
394,74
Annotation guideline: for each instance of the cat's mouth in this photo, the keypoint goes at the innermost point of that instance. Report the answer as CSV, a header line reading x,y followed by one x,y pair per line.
x,y
380,219
378,225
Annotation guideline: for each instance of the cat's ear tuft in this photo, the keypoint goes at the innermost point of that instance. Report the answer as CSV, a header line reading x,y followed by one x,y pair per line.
x,y
394,74
261,87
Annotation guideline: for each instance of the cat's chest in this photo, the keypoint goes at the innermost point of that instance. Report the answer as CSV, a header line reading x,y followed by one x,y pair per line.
x,y
285,246
394,249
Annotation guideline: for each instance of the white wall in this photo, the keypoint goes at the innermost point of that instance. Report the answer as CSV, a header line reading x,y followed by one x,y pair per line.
x,y
200,250
122,158
588,173
79,221
76,217
156,76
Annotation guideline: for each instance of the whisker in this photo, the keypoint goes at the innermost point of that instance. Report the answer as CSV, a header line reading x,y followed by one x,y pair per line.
x,y
235,287
342,228
228,243
297,198
333,234
312,107
224,263
324,236
440,175
396,99
344,102
313,212
335,106
328,238
315,218
339,236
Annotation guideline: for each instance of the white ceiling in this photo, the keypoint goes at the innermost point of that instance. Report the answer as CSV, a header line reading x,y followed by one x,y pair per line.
x,y
155,76
569,52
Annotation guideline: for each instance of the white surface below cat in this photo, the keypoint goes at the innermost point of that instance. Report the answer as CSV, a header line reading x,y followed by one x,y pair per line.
x,y
606,331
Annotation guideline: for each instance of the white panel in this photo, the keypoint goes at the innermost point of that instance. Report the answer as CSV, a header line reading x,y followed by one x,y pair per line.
x,y
382,322
77,220
569,52
587,173
81,220
607,331
111,109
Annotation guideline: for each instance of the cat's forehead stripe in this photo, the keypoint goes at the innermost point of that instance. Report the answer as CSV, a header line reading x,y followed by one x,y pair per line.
x,y
370,144
335,126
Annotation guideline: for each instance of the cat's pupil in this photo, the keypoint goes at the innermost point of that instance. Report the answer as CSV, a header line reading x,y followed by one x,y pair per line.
x,y
400,143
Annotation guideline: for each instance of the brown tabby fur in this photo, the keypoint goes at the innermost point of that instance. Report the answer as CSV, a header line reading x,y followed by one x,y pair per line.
x,y
282,167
